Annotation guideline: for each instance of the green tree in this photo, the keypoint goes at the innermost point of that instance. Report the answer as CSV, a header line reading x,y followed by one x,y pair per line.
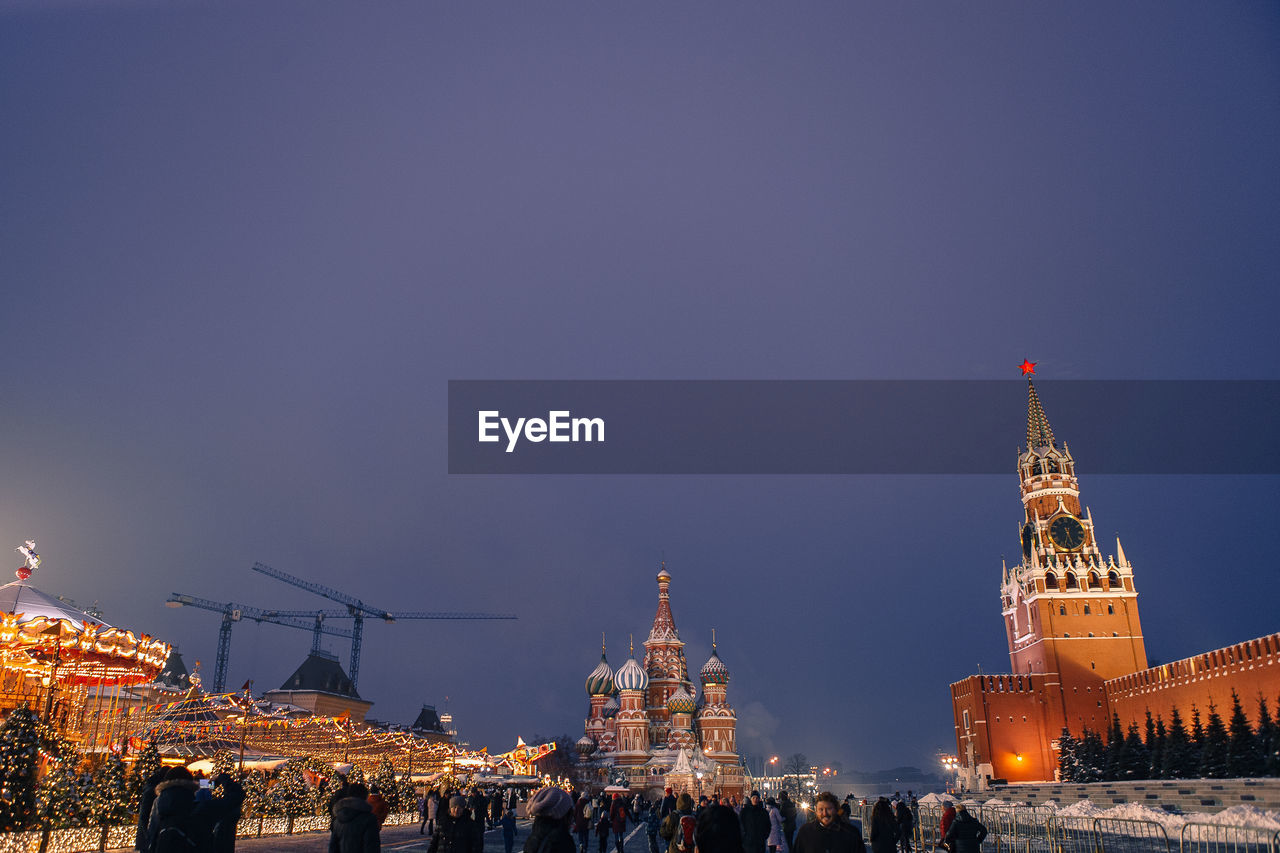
x,y
19,747
384,779
107,799
1244,757
1180,759
58,800
1135,761
147,764
1092,754
1217,744
1068,761
1268,744
289,796
1113,763
1156,749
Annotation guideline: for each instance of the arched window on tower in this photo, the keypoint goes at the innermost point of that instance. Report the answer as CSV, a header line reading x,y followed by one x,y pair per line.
x,y
1071,581
1051,466
1062,610
1094,582
1050,581
1113,579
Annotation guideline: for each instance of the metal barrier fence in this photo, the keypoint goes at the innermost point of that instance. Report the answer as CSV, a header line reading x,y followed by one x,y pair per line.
x,y
1030,829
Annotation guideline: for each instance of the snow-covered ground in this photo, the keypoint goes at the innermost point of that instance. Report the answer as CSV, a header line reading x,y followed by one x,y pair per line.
x,y
1243,816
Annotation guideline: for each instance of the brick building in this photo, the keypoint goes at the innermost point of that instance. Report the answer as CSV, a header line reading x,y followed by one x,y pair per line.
x,y
1075,640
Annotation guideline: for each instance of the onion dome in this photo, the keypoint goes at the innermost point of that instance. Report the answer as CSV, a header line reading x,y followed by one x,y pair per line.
x,y
681,702
600,681
631,676
611,708
714,671
585,746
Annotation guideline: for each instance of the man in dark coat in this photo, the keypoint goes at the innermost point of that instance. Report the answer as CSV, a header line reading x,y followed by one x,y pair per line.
x,y
177,823
495,808
826,834
668,803
787,809
479,805
755,825
965,833
905,824
227,812
355,828
143,839
461,834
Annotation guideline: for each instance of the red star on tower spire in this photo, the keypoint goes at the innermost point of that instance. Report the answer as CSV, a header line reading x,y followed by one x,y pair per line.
x,y
1028,366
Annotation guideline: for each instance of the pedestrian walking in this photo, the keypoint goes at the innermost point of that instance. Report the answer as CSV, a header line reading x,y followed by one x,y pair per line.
x,y
459,833
965,833
581,821
754,823
787,808
717,830
228,807
668,802
508,824
355,828
602,828
178,822
884,828
905,824
142,839
652,823
948,815
678,827
430,804
774,841
378,803
618,814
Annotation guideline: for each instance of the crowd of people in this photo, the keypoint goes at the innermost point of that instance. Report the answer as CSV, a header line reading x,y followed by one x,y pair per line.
x,y
183,814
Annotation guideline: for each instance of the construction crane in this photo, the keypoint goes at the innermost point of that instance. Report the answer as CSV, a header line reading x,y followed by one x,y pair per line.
x,y
233,613
357,610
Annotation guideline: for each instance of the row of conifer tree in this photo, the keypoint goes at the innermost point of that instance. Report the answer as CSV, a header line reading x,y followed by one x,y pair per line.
x,y
1210,748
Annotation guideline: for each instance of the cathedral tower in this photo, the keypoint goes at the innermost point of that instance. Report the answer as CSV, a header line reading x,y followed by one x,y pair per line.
x,y
664,662
632,724
1067,609
717,721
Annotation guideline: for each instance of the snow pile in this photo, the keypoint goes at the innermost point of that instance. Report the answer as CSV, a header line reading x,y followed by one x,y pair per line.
x,y
1243,816
1082,808
996,801
1140,811
933,799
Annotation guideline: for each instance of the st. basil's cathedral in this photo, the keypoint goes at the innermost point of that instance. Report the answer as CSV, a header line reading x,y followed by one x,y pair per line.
x,y
646,730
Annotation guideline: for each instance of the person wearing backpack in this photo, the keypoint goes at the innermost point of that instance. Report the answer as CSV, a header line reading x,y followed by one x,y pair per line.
x,y
603,823
582,821
178,824
355,828
652,823
679,826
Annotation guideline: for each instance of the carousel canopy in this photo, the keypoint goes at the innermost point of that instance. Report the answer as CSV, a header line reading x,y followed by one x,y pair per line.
x,y
43,636
21,597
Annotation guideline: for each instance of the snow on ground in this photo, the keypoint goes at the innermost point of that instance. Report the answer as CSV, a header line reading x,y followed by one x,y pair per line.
x,y
1242,816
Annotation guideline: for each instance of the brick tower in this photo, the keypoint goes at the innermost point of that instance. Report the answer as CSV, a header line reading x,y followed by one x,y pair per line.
x,y
1068,610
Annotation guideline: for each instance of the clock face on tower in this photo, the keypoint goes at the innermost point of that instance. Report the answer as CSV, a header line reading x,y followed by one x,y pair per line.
x,y
1066,532
1028,540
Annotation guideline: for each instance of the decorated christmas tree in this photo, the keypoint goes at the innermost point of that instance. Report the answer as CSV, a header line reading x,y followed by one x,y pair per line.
x,y
58,799
255,793
19,747
408,794
224,761
385,781
148,763
108,796
290,795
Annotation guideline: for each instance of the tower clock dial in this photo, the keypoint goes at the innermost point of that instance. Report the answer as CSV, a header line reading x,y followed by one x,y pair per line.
x,y
1067,533
1028,540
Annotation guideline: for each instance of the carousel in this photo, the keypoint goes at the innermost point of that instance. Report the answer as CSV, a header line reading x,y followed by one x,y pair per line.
x,y
71,668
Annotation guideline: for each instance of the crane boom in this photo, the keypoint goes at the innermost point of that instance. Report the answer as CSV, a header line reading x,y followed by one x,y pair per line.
x,y
233,612
357,610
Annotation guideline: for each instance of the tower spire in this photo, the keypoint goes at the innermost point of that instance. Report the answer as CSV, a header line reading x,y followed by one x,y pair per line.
x,y
1039,433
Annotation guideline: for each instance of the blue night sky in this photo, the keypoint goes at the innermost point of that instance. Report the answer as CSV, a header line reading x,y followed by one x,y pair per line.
x,y
243,248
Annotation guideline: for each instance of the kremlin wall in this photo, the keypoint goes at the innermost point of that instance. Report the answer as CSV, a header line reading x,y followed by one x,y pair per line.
x,y
1075,641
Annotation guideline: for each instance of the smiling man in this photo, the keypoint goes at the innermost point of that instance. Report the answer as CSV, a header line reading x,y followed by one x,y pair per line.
x,y
828,834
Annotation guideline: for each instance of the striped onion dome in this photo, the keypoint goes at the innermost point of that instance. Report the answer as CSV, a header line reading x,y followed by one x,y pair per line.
x,y
585,745
600,681
714,671
611,708
631,676
681,702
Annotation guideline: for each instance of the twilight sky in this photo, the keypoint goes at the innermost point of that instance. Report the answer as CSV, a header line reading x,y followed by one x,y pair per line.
x,y
243,248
